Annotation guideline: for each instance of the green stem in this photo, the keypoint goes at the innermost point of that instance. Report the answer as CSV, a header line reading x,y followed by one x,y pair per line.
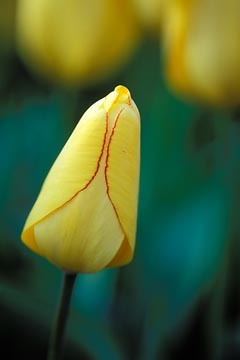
x,y
57,336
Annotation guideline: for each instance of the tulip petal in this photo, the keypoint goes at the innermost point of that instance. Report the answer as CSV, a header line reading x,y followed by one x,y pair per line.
x,y
123,256
73,170
122,173
84,235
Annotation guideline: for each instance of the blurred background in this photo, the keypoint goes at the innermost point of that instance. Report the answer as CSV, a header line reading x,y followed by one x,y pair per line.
x,y
180,297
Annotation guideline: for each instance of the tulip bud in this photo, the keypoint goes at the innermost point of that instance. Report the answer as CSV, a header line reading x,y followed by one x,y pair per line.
x,y
84,219
74,42
202,49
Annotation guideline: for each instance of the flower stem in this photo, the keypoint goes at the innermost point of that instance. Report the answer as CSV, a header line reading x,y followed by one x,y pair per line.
x,y
57,336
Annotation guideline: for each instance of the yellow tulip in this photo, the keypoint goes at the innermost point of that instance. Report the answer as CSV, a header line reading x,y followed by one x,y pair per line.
x,y
150,12
74,42
84,219
7,18
202,49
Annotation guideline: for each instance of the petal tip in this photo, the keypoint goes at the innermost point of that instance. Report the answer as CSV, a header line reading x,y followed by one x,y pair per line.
x,y
120,95
123,94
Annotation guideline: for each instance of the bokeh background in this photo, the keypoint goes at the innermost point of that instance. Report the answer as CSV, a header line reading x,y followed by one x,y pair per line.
x,y
180,297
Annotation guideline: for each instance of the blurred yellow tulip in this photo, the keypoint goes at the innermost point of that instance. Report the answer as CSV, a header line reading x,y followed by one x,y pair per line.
x,y
202,49
7,19
150,12
84,219
75,42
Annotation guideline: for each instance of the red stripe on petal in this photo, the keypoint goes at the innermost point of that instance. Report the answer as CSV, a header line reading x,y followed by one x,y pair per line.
x,y
107,160
96,171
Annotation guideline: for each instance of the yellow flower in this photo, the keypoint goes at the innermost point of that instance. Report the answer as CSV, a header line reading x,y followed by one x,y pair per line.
x,y
84,219
7,14
74,42
202,49
150,12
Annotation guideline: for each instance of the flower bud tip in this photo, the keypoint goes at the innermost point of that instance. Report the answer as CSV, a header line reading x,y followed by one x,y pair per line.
x,y
123,94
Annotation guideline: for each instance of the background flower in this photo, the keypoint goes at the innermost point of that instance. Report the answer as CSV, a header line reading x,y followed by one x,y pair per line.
x,y
75,42
150,12
202,49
